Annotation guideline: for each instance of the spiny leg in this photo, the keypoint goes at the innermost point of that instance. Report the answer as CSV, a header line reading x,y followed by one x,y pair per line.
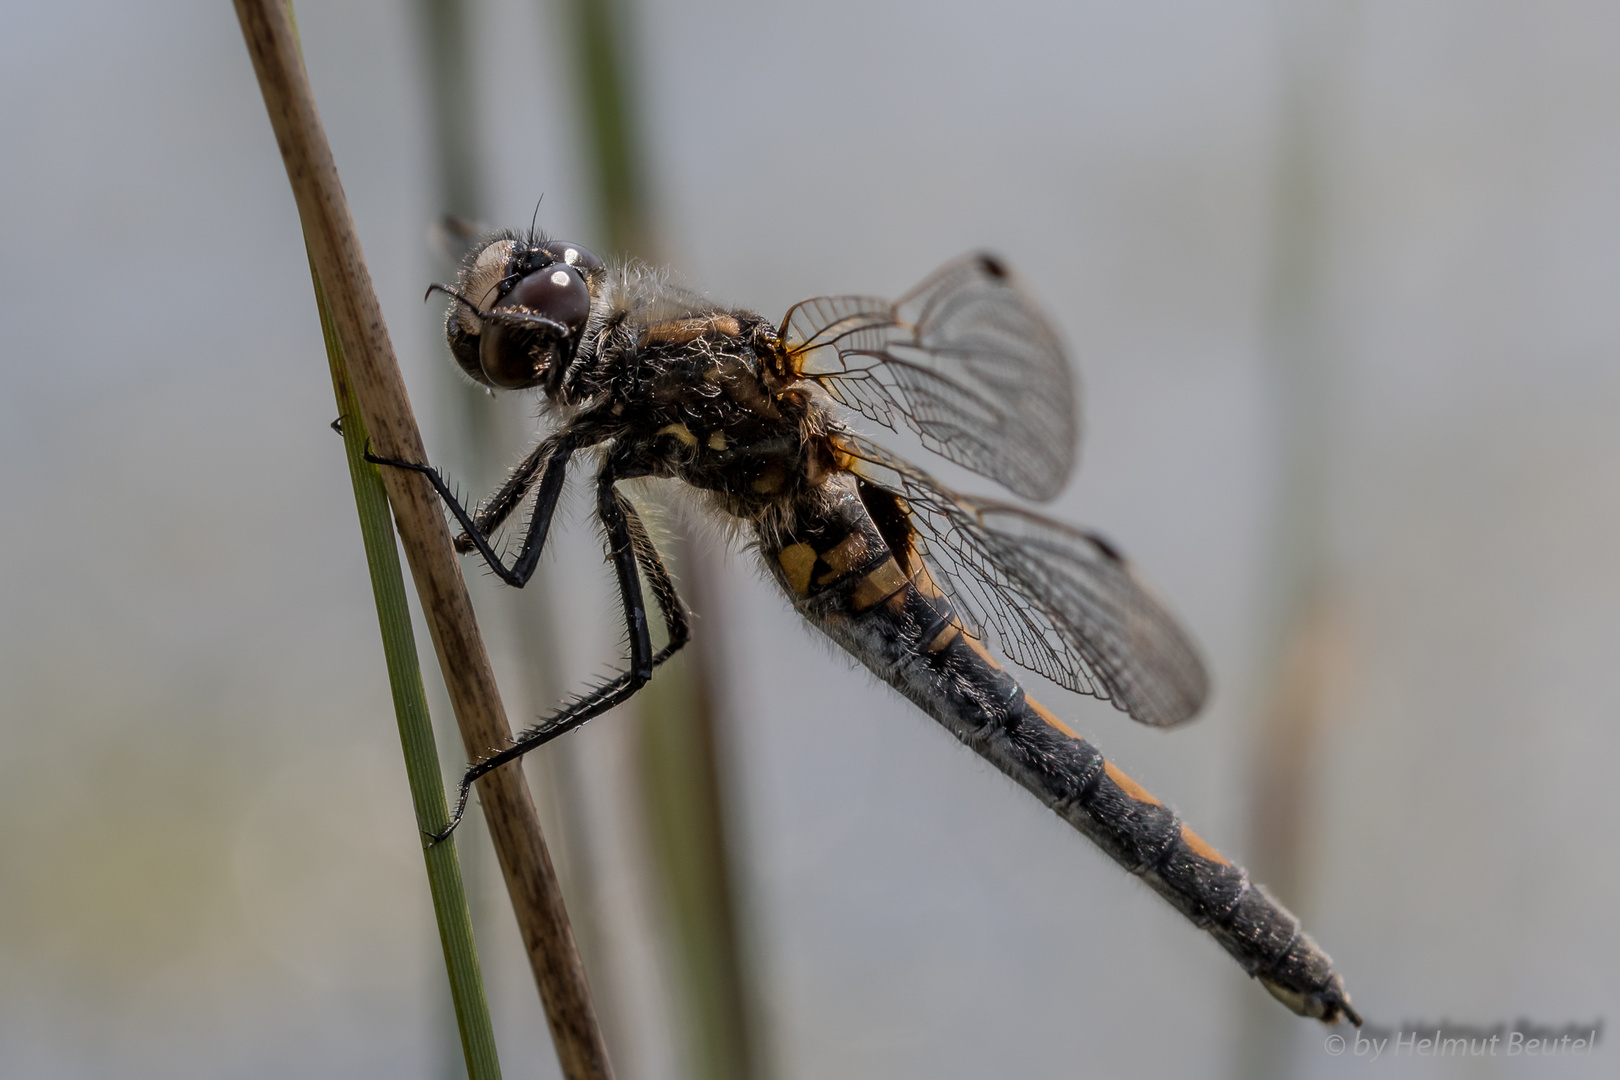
x,y
624,685
555,455
496,508
657,575
628,547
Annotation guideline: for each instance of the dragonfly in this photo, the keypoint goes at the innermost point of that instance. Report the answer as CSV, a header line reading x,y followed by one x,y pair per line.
x,y
644,378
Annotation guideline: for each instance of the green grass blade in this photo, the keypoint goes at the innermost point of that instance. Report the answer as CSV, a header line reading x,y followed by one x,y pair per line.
x,y
415,730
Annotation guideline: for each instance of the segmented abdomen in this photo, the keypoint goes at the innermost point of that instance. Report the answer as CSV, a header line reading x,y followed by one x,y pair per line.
x,y
844,578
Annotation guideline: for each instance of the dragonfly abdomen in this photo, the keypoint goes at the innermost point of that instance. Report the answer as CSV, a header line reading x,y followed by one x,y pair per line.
x,y
845,579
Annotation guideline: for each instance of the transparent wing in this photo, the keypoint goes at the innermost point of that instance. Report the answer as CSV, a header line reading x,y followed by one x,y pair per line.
x,y
1063,603
454,238
966,360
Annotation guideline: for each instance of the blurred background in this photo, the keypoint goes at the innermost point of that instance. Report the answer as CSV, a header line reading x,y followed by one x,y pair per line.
x,y
1339,280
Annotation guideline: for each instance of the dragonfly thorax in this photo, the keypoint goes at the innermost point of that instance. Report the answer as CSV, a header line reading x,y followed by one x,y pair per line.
x,y
688,400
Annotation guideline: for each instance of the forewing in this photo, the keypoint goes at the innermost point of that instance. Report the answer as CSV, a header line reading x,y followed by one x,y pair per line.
x,y
1063,603
454,238
966,360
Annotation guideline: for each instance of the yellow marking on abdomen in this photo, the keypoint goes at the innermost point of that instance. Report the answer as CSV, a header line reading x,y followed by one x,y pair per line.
x,y
878,585
1201,848
1051,721
681,432
842,557
717,440
945,636
1128,786
797,561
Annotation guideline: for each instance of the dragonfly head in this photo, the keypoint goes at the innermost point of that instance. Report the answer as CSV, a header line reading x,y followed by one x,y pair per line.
x,y
519,309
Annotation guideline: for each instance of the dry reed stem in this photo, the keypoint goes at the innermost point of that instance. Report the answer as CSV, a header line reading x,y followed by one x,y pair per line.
x,y
380,389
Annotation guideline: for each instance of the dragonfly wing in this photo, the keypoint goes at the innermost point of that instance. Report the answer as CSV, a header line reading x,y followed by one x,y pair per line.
x,y
1063,602
966,360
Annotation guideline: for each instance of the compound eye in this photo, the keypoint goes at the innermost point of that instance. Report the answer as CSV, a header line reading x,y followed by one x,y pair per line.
x,y
557,292
573,255
545,312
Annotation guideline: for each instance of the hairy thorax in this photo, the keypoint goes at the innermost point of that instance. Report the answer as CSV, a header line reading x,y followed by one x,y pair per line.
x,y
693,396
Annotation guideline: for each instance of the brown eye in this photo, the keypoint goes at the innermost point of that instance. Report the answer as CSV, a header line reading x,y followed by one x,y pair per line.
x,y
557,292
534,329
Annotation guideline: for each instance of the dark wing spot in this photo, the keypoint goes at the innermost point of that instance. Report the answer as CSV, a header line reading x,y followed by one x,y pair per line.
x,y
994,267
1107,547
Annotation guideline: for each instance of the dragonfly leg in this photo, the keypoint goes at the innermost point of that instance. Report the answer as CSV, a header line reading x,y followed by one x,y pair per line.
x,y
498,507
554,455
629,549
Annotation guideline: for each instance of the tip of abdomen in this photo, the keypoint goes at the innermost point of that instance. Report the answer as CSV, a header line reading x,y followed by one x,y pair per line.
x,y
1327,1004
